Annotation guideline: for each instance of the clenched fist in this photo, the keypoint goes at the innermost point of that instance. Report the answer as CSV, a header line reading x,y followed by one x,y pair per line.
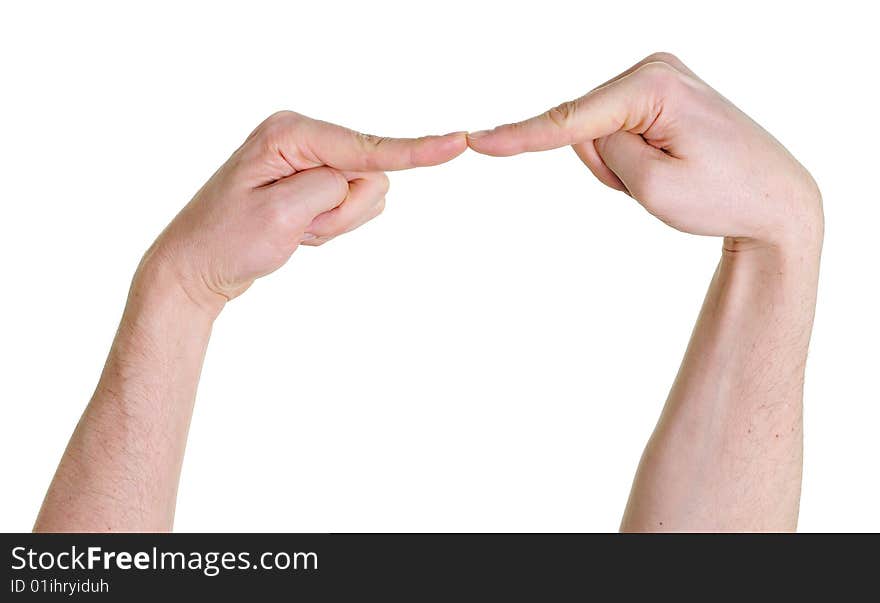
x,y
295,180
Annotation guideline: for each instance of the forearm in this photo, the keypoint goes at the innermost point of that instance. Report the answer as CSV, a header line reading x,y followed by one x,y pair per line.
x,y
727,451
121,467
294,181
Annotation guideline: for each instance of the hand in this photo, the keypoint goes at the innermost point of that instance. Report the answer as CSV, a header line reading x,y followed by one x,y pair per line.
x,y
294,181
692,159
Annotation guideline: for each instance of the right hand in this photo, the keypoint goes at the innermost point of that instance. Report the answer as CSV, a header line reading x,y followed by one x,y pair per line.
x,y
295,180
691,158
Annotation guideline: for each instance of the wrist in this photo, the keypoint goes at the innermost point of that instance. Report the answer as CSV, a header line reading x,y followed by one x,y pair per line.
x,y
787,264
161,282
798,237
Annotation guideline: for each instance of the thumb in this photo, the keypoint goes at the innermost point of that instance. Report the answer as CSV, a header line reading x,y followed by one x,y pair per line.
x,y
308,193
633,161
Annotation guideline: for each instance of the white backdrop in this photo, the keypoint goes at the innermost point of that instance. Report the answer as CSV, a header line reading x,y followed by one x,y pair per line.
x,y
490,354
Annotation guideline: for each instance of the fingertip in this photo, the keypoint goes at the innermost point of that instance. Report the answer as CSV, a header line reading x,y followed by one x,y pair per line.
x,y
486,142
435,150
456,143
473,139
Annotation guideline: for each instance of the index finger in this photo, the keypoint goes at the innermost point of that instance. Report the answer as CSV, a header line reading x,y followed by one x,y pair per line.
x,y
347,149
289,142
630,103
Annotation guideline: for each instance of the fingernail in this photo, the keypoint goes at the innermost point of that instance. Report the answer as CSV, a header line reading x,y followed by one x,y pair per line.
x,y
308,237
478,134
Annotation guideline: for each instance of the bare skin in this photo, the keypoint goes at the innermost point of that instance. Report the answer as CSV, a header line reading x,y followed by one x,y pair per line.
x,y
727,451
294,181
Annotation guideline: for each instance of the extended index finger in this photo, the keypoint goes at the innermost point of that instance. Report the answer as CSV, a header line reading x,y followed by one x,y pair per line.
x,y
347,149
629,103
287,142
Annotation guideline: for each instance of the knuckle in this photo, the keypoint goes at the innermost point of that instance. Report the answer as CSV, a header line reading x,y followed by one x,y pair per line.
x,y
659,74
278,122
369,144
562,115
282,117
664,57
370,141
658,69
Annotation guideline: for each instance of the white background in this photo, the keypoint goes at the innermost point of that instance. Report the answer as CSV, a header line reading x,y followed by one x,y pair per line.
x,y
490,354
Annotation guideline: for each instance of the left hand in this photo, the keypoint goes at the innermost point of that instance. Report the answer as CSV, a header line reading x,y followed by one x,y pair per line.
x,y
689,156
